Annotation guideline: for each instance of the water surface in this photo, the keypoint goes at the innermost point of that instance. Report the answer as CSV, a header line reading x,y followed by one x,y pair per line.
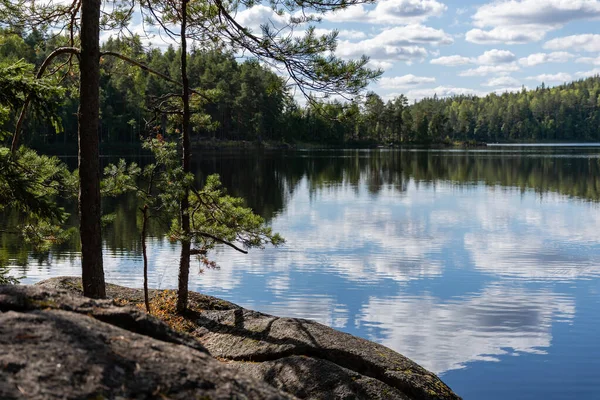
x,y
483,265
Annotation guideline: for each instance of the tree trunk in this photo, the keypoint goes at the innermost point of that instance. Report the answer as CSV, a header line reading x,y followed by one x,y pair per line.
x,y
145,254
89,162
184,259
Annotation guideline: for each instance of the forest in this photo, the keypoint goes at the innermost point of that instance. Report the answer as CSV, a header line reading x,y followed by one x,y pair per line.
x,y
250,102
56,77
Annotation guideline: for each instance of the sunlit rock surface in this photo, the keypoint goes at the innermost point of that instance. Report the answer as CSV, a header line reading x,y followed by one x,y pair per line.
x,y
57,345
263,355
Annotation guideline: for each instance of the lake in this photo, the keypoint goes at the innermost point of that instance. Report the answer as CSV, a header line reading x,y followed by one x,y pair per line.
x,y
481,265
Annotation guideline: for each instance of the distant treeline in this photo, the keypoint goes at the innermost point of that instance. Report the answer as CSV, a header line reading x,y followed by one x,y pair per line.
x,y
247,101
570,112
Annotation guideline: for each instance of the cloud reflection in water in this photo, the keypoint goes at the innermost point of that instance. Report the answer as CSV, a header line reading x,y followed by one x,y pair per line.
x,y
443,270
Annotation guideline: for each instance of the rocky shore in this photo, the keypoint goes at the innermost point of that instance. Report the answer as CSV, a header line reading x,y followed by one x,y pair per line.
x,y
57,344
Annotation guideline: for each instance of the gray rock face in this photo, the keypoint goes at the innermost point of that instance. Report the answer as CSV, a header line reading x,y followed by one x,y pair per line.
x,y
57,346
298,356
244,335
316,378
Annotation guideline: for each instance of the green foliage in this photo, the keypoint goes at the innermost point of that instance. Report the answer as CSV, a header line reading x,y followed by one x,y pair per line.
x,y
42,234
6,279
119,179
238,101
17,84
13,48
216,218
219,218
32,185
159,185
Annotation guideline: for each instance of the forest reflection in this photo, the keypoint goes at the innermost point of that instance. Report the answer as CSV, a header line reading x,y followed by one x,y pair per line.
x,y
267,180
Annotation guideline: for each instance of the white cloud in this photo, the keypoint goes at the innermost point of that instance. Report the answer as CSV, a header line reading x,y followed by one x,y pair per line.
x,y
323,309
589,60
543,251
393,12
502,69
544,58
490,57
400,82
585,42
413,35
513,89
442,91
546,13
318,32
380,64
445,335
502,81
380,52
278,284
585,74
402,11
523,21
495,56
402,43
342,34
506,35
560,77
253,17
149,36
356,13
451,61
390,96
351,34
324,230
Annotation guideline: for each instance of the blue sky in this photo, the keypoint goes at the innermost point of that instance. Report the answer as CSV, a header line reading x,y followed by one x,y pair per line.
x,y
453,47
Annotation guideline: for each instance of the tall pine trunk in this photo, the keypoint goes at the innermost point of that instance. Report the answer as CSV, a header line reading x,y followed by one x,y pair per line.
x,y
145,255
89,163
184,259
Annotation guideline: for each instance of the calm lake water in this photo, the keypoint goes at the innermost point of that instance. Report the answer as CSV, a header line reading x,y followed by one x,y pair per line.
x,y
482,265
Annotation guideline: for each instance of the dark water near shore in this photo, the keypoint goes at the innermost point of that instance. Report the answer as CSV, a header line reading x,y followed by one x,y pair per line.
x,y
483,265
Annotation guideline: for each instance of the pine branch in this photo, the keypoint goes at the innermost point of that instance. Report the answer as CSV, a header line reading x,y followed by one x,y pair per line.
x,y
45,64
218,239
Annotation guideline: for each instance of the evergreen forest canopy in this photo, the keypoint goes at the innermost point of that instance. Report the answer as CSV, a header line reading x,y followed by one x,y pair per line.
x,y
250,102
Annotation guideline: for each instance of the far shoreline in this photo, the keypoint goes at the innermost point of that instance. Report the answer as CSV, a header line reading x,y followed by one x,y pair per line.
x,y
134,149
